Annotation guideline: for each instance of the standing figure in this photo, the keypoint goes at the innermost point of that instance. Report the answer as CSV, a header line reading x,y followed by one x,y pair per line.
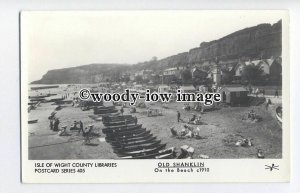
x,y
80,125
267,105
51,124
178,116
122,110
276,93
135,120
269,101
56,123
256,92
86,134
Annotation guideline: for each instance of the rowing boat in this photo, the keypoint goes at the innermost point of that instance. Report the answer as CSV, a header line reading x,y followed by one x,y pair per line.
x,y
105,112
125,133
103,109
138,147
131,143
128,136
166,156
158,155
117,129
139,152
115,118
118,123
124,140
32,121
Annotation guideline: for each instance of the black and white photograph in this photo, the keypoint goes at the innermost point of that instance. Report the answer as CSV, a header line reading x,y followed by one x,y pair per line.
x,y
154,85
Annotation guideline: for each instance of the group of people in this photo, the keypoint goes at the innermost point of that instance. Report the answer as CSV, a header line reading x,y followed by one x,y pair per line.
x,y
75,125
252,115
187,107
54,122
258,91
66,96
86,133
186,132
78,125
194,119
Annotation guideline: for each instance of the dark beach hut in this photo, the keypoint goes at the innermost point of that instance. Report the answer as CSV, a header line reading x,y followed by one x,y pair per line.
x,y
234,95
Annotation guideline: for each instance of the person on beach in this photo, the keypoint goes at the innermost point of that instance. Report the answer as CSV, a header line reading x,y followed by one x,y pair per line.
x,y
135,120
256,92
267,105
80,125
51,124
193,118
56,123
269,101
74,126
63,131
276,93
122,110
86,134
178,116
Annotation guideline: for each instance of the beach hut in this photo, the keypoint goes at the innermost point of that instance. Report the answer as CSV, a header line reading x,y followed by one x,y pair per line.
x,y
234,94
163,88
188,89
203,89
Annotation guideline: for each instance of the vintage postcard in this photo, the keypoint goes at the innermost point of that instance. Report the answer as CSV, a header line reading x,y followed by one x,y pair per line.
x,y
155,96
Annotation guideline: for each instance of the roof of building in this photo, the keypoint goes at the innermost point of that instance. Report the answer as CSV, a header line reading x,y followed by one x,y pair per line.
x,y
197,69
170,69
163,86
235,88
272,60
255,62
190,87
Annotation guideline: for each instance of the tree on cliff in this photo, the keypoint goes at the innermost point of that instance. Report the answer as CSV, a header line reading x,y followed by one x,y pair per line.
x,y
186,76
227,76
139,79
252,74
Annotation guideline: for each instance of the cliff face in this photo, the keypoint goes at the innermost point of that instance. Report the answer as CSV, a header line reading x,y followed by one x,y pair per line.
x,y
255,42
83,74
261,41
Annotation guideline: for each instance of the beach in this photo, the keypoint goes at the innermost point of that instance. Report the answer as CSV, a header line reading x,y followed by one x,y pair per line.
x,y
220,129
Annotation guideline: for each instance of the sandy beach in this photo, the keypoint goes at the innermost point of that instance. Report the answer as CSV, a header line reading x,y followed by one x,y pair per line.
x,y
220,129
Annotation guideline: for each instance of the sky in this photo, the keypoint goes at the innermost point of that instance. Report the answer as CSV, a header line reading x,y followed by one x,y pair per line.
x,y
54,40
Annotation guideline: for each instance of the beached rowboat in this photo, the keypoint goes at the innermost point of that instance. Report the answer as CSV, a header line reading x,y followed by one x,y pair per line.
x,y
165,156
139,152
118,123
122,131
117,129
120,117
32,121
139,147
159,154
105,112
124,140
126,133
128,136
131,143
